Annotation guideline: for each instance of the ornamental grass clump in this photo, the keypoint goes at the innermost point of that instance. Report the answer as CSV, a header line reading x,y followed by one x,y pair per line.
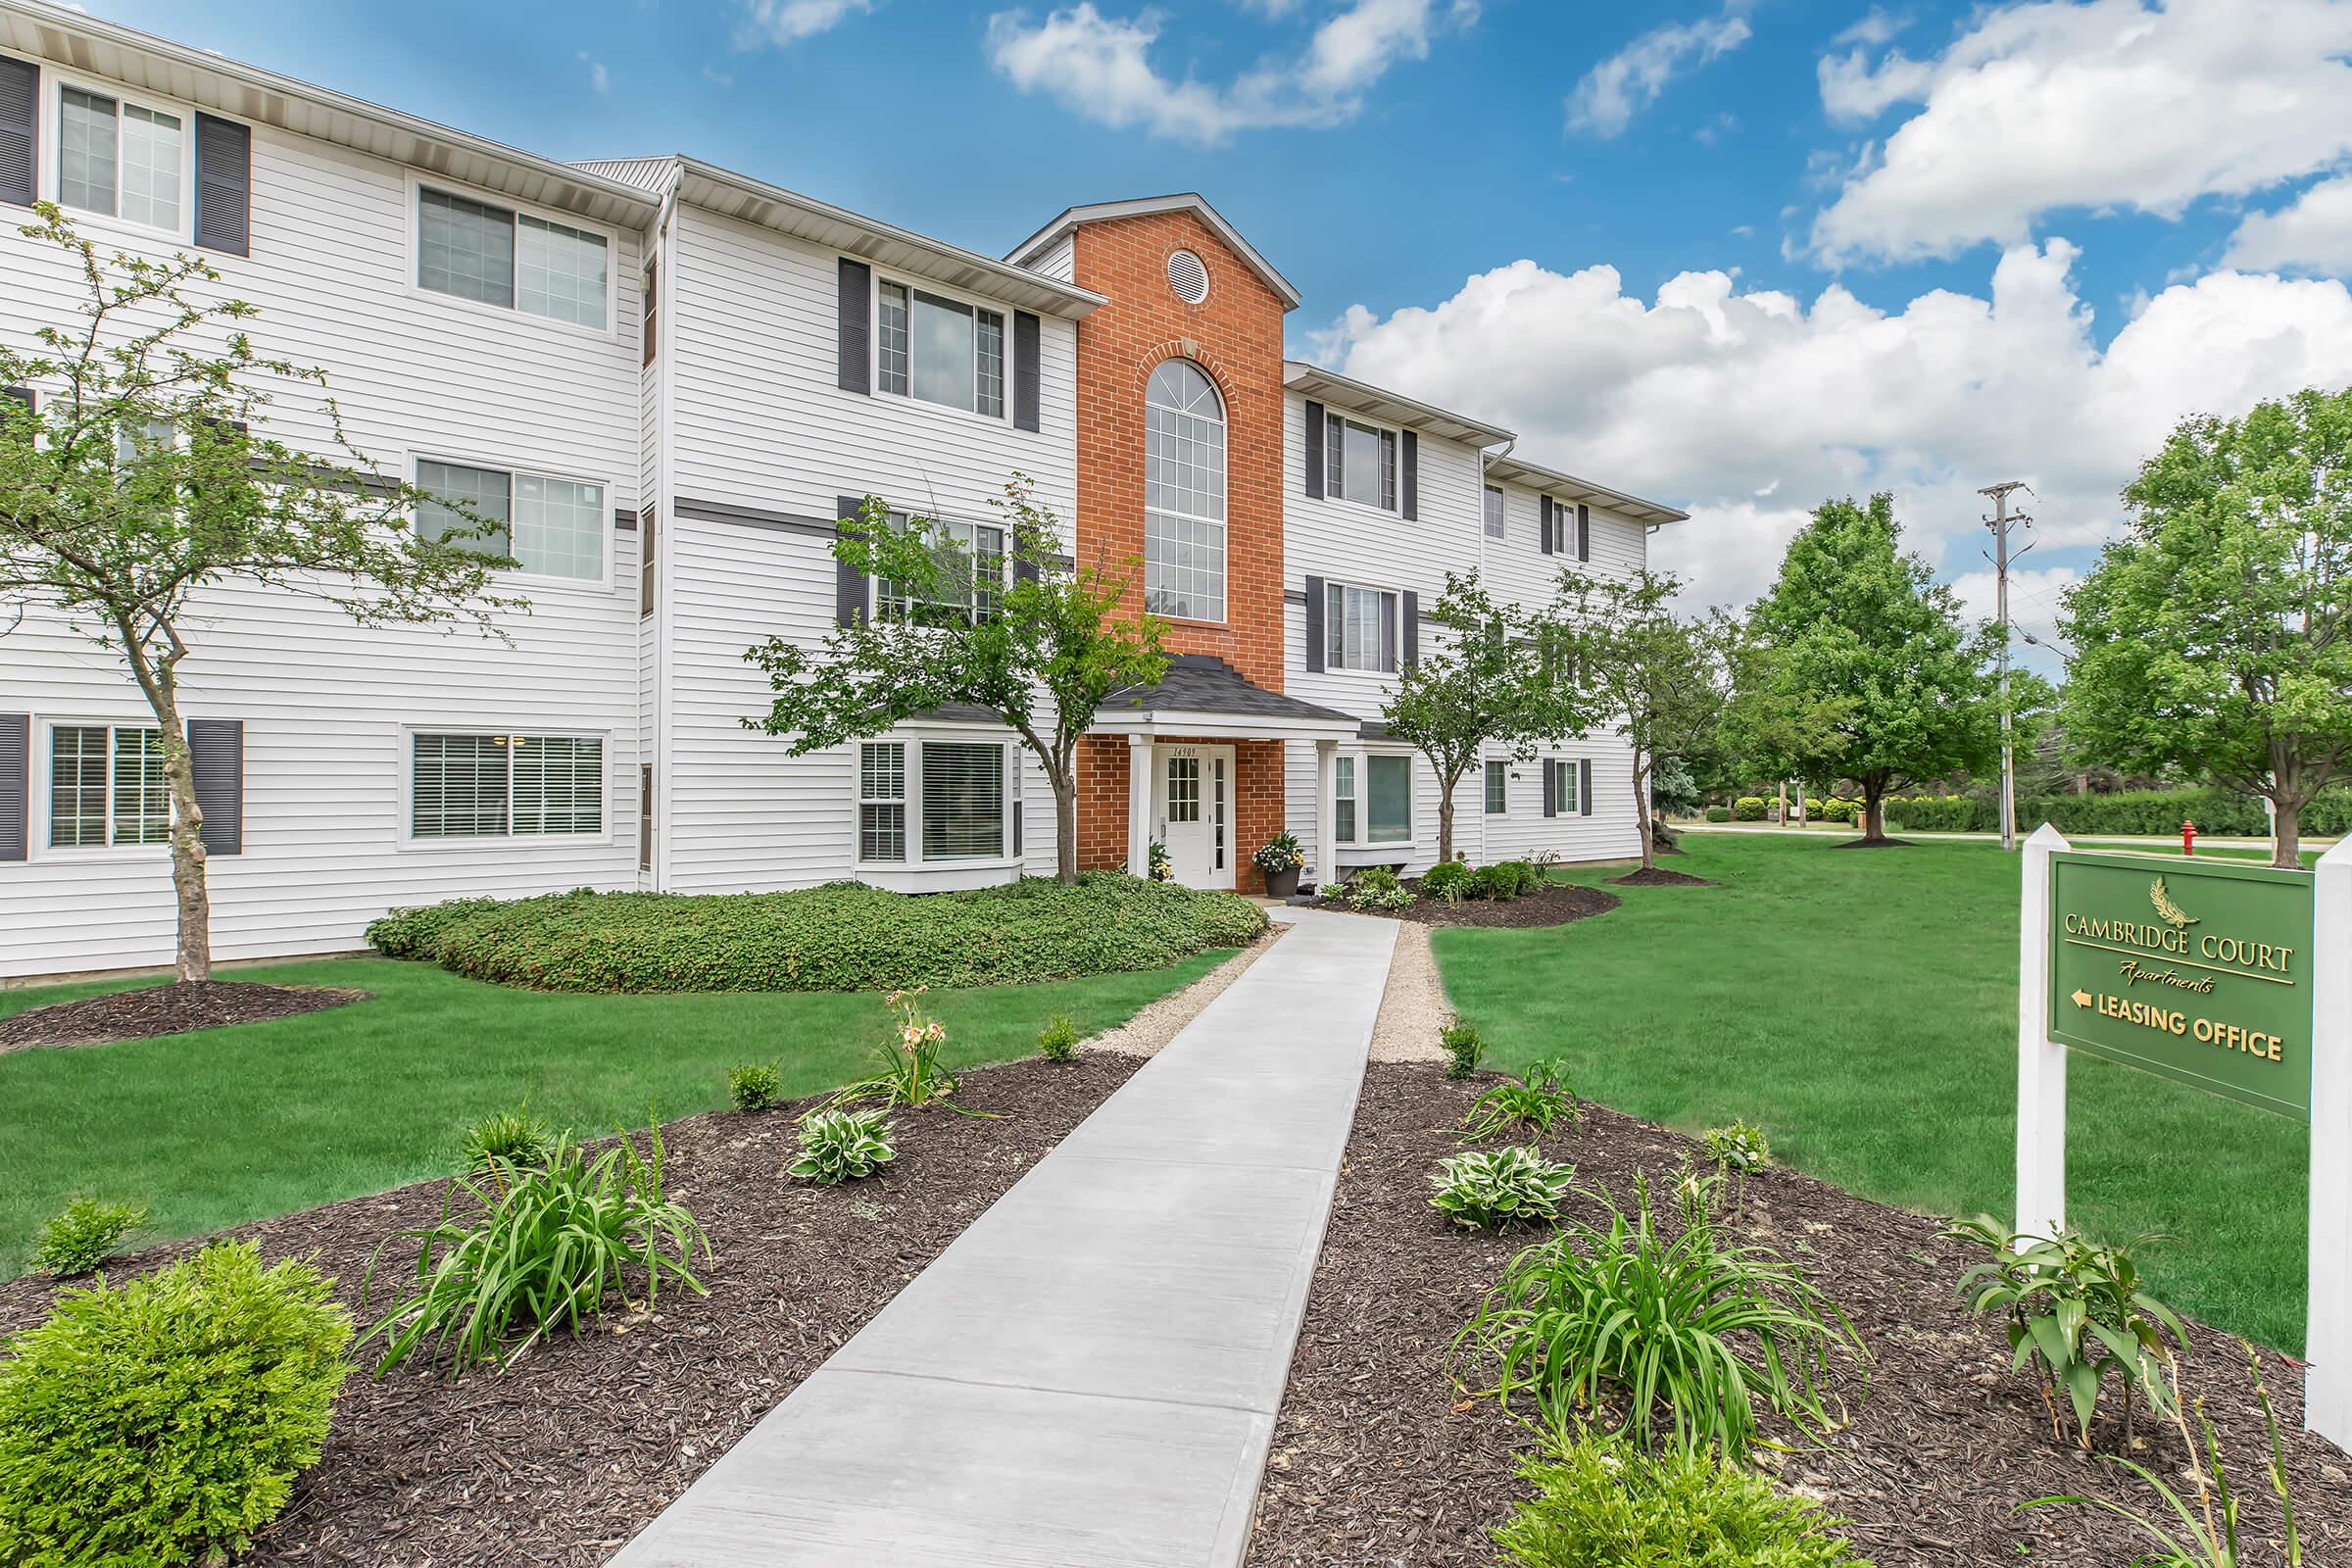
x,y
1681,1331
1529,1103
164,1421
1601,1502
843,1145
506,1137
523,1250
84,1234
1489,1188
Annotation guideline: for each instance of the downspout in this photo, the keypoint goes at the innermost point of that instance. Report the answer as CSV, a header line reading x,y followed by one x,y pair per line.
x,y
1485,458
665,377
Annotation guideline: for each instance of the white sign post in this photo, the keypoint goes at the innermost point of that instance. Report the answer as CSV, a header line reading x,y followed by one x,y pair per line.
x,y
2041,1061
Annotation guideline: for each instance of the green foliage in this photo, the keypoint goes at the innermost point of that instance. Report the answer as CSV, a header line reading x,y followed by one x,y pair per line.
x,y
1447,879
2124,813
1057,1040
843,1145
1281,852
163,1421
1488,1188
1157,864
840,937
1465,1047
2215,639
1601,1502
509,1137
1530,1104
1723,813
532,1249
1503,881
2075,1313
1375,886
755,1086
2204,1535
1737,1149
1748,809
908,1070
84,1234
1682,1322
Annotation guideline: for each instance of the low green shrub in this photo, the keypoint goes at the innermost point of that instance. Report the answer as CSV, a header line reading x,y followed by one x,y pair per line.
x,y
840,937
1719,814
1503,881
2127,812
1448,880
755,1086
1526,875
164,1421
1528,1103
1670,1318
84,1234
843,1145
1375,886
1057,1040
1738,1149
1465,1047
1748,809
1601,1502
1488,1188
527,1250
512,1136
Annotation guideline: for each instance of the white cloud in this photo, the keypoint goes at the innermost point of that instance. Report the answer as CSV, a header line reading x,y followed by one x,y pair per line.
x,y
781,22
1751,407
1101,66
2311,235
2055,105
1630,80
599,78
1875,28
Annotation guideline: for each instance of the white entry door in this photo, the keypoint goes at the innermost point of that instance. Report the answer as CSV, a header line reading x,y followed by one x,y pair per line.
x,y
1192,808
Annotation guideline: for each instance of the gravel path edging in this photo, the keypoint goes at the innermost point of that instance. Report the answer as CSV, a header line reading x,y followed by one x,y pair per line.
x,y
1414,1007
1144,1034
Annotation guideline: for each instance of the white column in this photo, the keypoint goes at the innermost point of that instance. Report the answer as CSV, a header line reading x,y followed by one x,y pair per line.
x,y
1327,813
2041,1061
2328,1330
1139,805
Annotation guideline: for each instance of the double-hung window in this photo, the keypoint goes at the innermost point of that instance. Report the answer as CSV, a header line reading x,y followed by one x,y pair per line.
x,y
882,801
1498,788
496,786
1563,786
550,527
1359,628
496,256
969,581
106,786
1343,798
120,159
1359,462
941,350
1495,513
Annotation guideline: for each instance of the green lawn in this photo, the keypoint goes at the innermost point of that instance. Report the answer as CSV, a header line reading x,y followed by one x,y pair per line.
x,y
227,1125
1861,1006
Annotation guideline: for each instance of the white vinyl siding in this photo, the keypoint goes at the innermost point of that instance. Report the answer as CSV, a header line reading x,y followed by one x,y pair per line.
x,y
1184,494
495,256
488,786
551,527
940,350
106,786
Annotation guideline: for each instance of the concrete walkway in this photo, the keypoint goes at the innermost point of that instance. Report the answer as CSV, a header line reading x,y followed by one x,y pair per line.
x,y
1089,1376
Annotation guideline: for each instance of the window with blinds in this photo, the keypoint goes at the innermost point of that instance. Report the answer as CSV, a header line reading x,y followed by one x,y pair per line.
x,y
1498,788
882,801
494,786
106,786
548,526
1359,628
1387,800
962,801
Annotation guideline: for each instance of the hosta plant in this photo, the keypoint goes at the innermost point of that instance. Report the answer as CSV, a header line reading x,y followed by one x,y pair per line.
x,y
755,1086
527,1251
2075,1312
1682,1330
507,1137
1529,1103
843,1145
84,1234
1489,1188
1376,887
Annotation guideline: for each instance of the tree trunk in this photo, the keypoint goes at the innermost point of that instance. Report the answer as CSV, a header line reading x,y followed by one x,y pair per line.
x,y
1445,816
1066,825
2286,834
194,899
1649,855
1873,811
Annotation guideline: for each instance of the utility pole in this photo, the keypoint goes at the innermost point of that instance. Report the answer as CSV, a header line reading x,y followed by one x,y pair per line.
x,y
2000,522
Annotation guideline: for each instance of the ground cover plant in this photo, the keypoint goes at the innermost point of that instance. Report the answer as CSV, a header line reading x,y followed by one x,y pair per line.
x,y
1488,1188
1863,1008
162,1421
363,1099
843,1145
84,1234
843,936
1375,886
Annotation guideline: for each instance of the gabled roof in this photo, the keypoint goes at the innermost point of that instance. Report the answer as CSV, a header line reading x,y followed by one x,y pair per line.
x,y
56,34
1025,254
1201,693
1508,469
1329,386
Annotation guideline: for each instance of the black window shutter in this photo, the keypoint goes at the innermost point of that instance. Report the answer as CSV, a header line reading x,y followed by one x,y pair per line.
x,y
854,370
1410,609
1583,786
20,130
1024,570
849,583
1551,787
20,394
16,785
1543,526
1315,456
1584,531
223,185
1027,373
216,750
1411,489
1315,619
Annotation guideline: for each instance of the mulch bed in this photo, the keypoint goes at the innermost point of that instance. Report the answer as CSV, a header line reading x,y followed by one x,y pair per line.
x,y
562,1459
1554,903
1657,876
1377,1462
1873,844
145,1011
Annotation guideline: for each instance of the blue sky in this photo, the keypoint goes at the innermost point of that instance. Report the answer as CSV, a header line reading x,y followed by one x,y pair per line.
x,y
1739,254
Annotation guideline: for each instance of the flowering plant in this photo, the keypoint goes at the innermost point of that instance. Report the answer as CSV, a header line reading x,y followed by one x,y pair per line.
x,y
909,1072
1281,852
1164,869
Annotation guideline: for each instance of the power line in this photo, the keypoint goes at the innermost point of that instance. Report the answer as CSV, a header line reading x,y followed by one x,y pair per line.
x,y
2001,523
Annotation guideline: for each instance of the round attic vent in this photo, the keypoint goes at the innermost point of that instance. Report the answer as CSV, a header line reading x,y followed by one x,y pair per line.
x,y
1188,278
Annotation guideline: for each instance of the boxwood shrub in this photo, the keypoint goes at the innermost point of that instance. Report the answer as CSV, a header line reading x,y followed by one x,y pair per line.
x,y
1748,809
844,936
1719,814
2159,812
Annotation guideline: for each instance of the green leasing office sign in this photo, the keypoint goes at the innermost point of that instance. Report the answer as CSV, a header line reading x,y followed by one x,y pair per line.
x,y
2198,971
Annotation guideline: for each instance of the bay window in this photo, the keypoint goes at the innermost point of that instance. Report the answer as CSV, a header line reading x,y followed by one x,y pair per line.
x,y
882,801
495,786
940,350
931,802
1372,798
106,786
1343,798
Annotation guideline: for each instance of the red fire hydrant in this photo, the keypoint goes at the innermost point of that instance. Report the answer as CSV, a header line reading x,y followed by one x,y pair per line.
x,y
2188,838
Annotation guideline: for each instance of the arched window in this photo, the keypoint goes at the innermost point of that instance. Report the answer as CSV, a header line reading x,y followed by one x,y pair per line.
x,y
1184,494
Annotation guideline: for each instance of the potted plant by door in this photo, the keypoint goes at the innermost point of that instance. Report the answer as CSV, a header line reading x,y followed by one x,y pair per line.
x,y
1280,858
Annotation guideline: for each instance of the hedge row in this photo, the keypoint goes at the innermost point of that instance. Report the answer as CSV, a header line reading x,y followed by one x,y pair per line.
x,y
844,936
2130,811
